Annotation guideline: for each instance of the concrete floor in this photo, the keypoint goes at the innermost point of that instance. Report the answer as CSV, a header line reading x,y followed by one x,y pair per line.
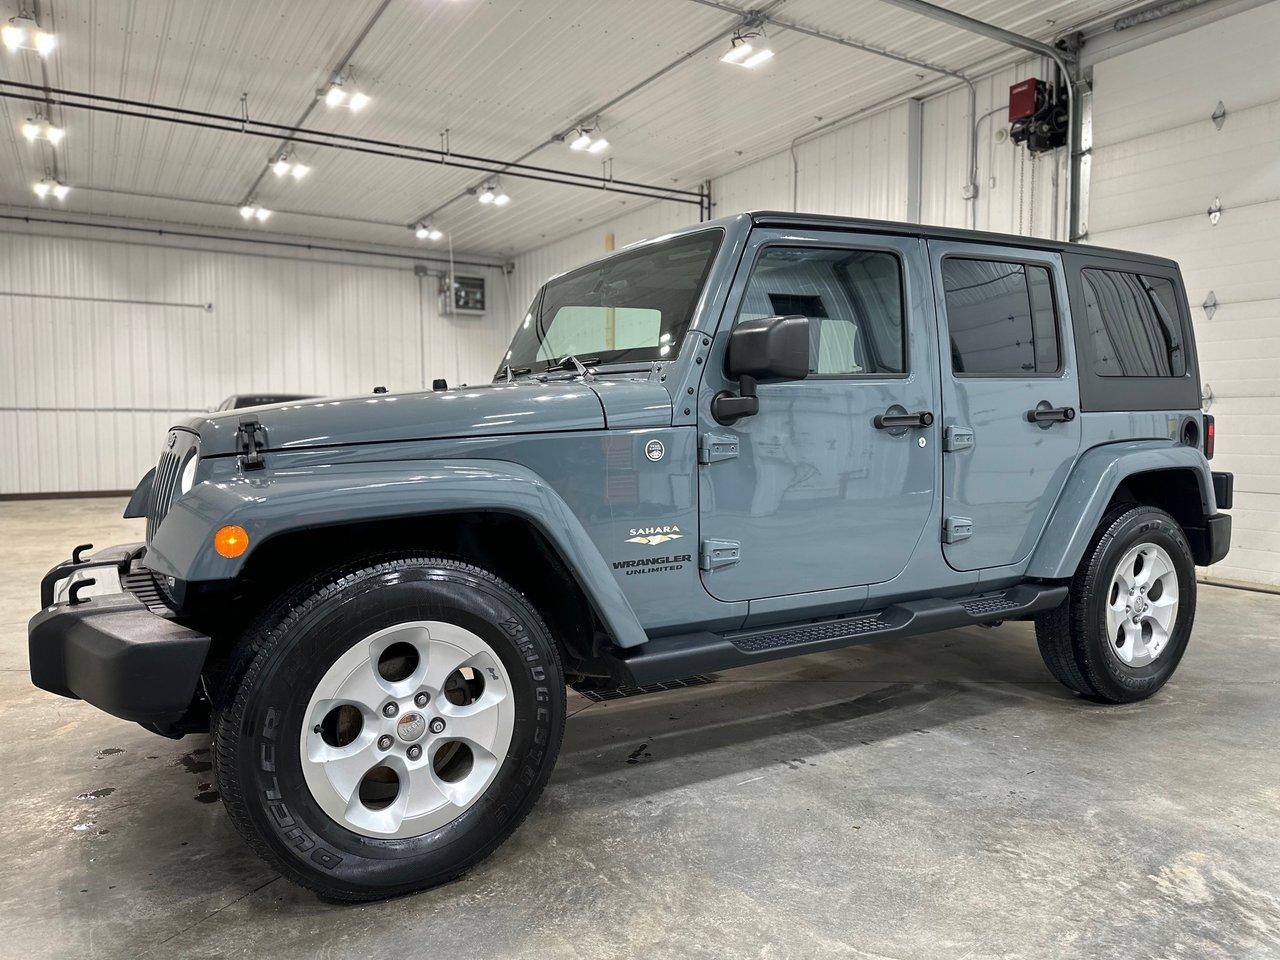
x,y
941,797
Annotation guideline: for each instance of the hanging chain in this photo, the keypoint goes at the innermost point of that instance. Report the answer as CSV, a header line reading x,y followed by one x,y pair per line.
x,y
1022,182
1035,167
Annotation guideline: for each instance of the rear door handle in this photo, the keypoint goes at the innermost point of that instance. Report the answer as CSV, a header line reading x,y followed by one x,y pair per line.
x,y
897,421
1043,413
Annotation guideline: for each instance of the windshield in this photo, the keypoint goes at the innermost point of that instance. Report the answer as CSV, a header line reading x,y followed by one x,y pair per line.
x,y
632,307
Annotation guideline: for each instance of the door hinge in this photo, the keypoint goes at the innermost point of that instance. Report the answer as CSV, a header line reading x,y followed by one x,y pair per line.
x,y
714,447
719,553
955,529
956,438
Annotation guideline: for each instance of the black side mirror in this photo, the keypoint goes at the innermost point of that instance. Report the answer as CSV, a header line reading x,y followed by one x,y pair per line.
x,y
761,351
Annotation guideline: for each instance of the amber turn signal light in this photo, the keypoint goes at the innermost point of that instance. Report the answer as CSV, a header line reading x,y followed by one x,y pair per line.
x,y
231,541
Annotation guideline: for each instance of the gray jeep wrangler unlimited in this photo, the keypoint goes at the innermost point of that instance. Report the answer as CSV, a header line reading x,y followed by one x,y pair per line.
x,y
763,436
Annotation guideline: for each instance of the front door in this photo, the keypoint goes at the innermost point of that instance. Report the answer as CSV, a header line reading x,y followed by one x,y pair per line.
x,y
809,494
1009,398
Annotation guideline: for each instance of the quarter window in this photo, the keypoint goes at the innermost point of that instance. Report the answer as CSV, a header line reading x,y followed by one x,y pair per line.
x,y
853,299
1134,325
1001,318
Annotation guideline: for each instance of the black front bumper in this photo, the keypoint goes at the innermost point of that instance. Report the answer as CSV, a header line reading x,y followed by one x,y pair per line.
x,y
115,652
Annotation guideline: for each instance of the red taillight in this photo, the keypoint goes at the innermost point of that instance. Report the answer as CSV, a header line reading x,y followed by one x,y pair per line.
x,y
1210,432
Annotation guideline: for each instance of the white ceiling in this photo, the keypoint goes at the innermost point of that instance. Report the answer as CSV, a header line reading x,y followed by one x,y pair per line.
x,y
502,75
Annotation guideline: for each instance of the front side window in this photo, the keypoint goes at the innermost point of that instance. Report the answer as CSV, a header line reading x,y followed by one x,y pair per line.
x,y
1133,324
853,299
632,307
1000,317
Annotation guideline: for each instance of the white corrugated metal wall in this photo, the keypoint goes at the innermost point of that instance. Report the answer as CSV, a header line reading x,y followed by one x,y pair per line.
x,y
103,343
1160,162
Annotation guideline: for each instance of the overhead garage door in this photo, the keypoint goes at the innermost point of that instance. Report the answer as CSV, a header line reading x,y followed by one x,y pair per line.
x,y
1160,163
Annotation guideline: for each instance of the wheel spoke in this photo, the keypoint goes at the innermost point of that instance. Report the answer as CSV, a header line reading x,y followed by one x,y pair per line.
x,y
1162,612
1116,616
477,723
345,767
1130,638
442,660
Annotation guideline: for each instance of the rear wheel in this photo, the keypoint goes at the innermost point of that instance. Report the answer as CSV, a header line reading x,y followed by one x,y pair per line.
x,y
1124,628
393,723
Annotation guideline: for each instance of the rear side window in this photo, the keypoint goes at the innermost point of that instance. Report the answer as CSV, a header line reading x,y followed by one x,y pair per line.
x,y
1134,325
853,299
1000,318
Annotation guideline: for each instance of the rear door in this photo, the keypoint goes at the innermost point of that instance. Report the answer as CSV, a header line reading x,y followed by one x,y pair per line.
x,y
1009,398
809,493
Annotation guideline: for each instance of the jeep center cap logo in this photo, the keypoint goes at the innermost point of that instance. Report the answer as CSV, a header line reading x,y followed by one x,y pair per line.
x,y
654,450
410,727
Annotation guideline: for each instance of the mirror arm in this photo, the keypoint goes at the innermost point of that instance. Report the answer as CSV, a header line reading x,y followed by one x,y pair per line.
x,y
728,408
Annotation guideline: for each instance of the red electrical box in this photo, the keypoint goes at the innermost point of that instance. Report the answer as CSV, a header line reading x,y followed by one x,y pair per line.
x,y
1025,99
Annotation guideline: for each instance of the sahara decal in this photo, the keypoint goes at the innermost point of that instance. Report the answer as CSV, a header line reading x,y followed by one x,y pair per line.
x,y
653,536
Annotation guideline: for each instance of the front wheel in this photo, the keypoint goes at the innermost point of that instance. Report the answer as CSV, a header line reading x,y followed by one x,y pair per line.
x,y
391,725
1128,618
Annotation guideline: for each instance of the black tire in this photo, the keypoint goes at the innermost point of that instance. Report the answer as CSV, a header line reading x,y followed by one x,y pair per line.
x,y
1073,638
258,721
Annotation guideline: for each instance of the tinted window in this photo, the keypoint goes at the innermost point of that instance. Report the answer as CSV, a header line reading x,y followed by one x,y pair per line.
x,y
1133,325
853,299
635,306
1000,317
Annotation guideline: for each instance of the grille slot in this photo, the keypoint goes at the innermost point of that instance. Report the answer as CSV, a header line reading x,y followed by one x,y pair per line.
x,y
144,585
164,485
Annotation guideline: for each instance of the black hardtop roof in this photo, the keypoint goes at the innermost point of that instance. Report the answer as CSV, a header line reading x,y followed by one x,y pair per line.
x,y
823,221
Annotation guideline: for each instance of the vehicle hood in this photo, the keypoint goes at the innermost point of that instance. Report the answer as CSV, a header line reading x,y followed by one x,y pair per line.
x,y
526,406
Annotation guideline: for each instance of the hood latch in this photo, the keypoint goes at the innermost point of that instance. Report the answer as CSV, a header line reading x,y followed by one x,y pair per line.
x,y
251,438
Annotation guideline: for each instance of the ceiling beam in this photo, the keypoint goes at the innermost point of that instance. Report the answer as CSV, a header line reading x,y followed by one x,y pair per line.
x,y
343,63
559,135
982,28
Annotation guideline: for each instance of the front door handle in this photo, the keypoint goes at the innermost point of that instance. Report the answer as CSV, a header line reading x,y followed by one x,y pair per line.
x,y
1045,414
898,421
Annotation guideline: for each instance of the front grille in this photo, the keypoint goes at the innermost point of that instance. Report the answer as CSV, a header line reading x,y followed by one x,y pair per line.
x,y
147,587
164,485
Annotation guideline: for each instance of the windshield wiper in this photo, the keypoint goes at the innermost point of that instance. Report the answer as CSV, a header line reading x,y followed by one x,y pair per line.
x,y
509,373
570,362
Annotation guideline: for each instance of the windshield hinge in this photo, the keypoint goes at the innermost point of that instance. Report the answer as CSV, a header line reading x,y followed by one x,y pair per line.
x,y
251,438
719,553
714,447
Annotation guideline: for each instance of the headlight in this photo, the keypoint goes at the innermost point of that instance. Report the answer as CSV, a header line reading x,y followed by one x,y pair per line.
x,y
189,473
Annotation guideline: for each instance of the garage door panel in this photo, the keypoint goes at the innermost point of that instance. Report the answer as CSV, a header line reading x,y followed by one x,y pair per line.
x,y
1137,181
1180,79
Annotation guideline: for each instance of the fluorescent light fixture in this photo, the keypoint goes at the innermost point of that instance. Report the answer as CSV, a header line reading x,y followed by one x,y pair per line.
x,y
598,146
487,195
254,211
247,212
421,232
49,186
357,102
425,231
581,142
501,200
738,52
22,33
334,96
757,58
282,166
33,129
262,213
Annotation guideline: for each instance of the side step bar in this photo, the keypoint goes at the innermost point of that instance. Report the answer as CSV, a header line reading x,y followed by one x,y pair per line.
x,y
667,658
